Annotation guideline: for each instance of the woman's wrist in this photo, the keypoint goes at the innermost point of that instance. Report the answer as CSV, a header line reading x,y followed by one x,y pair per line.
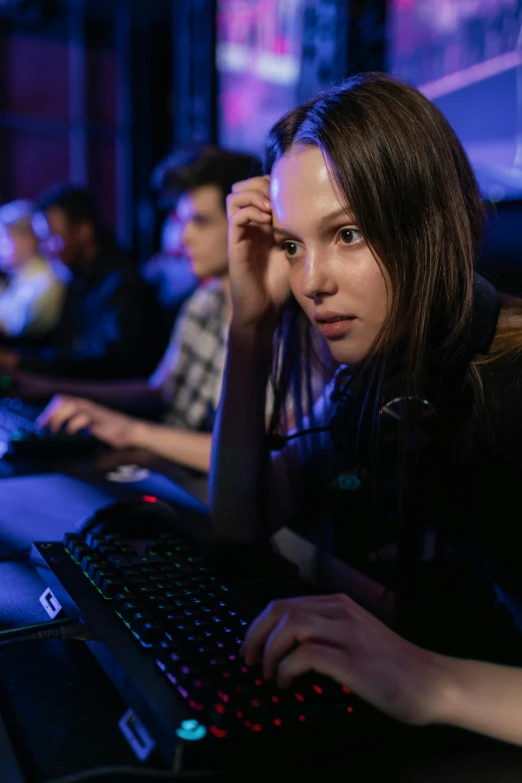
x,y
447,692
253,337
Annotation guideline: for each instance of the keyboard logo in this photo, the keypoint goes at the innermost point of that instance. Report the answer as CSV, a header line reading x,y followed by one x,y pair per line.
x,y
191,730
136,735
51,604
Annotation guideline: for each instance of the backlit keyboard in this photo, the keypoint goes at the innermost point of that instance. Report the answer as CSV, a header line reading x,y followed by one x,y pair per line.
x,y
22,436
172,622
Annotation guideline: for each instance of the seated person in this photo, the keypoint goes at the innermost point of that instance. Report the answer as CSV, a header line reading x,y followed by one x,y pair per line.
x,y
100,331
188,379
367,231
31,301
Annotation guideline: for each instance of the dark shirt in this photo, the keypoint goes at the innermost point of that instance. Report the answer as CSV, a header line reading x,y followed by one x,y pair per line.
x,y
474,593
106,326
466,596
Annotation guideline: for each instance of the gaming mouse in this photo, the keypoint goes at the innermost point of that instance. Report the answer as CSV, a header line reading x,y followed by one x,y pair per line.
x,y
137,518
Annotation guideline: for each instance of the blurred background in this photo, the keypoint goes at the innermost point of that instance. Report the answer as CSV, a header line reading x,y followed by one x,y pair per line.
x,y
96,92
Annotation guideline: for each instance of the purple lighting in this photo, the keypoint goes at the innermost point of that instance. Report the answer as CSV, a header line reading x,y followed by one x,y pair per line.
x,y
467,59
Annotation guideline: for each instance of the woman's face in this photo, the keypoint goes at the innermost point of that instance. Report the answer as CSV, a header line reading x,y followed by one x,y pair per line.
x,y
333,275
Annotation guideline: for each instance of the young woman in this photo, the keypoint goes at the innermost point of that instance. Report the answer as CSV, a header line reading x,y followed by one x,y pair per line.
x,y
366,230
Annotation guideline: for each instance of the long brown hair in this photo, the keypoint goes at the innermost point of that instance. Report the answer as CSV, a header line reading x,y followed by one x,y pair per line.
x,y
507,344
400,169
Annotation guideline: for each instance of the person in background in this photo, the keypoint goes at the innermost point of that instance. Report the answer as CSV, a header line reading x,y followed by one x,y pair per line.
x,y
31,302
101,330
188,379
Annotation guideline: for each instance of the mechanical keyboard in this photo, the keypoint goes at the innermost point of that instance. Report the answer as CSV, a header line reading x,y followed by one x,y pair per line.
x,y
169,621
21,435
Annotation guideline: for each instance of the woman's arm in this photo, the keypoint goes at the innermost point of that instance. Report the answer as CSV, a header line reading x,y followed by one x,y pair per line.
x,y
482,697
249,494
239,483
333,635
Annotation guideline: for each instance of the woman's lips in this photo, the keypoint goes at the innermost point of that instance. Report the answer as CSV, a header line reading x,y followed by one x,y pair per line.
x,y
333,325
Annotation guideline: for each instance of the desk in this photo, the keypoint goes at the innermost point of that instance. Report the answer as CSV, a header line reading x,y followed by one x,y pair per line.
x,y
42,683
94,465
61,712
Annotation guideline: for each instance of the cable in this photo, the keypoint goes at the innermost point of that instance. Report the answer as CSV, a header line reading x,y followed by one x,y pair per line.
x,y
153,774
24,630
66,630
277,442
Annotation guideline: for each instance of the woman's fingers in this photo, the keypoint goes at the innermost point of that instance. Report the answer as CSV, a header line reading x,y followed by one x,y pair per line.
x,y
249,215
299,628
258,633
261,184
248,198
318,657
241,197
333,636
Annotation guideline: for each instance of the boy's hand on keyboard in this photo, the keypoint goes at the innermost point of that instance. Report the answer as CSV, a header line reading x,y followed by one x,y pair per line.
x,y
332,635
72,414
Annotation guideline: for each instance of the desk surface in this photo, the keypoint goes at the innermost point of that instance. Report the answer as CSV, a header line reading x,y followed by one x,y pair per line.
x,y
100,462
61,712
43,684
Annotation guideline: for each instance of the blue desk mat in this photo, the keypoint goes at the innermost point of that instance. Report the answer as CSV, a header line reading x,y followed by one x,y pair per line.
x,y
44,507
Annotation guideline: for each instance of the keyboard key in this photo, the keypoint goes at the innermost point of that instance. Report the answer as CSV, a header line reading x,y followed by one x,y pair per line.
x,y
71,540
107,550
120,561
93,567
78,552
120,598
130,607
103,573
145,590
89,558
151,631
138,581
111,586
147,561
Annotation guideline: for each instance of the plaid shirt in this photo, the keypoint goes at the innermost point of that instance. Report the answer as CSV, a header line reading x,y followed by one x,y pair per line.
x,y
191,372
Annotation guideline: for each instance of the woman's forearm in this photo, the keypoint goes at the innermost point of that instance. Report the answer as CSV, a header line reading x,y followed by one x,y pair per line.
x,y
238,448
482,697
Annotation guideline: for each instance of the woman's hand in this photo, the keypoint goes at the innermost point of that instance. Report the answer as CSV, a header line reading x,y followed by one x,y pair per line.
x,y
73,414
258,269
332,635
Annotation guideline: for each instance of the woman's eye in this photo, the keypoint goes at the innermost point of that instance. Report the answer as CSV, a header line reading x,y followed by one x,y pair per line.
x,y
350,236
291,249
